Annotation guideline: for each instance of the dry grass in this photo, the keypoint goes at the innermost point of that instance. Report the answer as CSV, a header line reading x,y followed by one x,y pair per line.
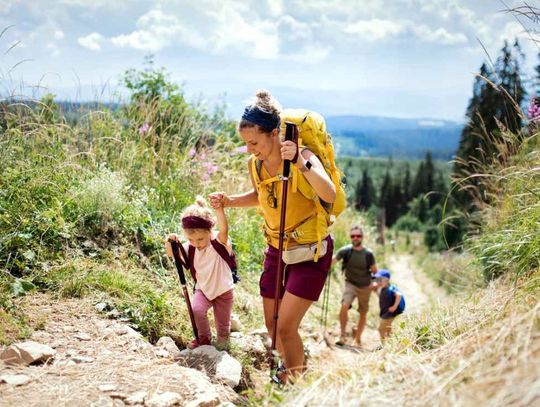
x,y
479,350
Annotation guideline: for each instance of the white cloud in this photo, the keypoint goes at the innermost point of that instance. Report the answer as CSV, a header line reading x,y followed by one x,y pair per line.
x,y
225,29
156,31
53,49
439,36
58,35
375,29
275,7
92,41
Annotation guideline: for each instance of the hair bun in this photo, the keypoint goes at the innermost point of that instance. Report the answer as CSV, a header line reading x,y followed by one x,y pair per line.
x,y
263,94
201,201
265,101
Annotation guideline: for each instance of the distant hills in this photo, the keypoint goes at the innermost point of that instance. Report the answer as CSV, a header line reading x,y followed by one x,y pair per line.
x,y
399,138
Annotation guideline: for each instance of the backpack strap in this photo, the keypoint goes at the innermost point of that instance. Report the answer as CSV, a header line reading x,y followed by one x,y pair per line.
x,y
191,257
347,256
230,258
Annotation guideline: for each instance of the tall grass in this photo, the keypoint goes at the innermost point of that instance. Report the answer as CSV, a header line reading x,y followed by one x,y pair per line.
x,y
108,186
510,241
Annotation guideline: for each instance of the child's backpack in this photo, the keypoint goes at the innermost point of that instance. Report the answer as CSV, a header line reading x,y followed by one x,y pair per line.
x,y
401,306
230,259
312,135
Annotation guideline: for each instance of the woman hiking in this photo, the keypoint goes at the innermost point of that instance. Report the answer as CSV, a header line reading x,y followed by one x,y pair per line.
x,y
303,282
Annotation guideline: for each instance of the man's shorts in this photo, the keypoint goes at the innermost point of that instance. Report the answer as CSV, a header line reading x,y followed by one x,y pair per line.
x,y
362,293
305,280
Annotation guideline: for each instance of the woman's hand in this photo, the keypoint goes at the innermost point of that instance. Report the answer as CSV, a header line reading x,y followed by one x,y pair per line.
x,y
218,199
288,150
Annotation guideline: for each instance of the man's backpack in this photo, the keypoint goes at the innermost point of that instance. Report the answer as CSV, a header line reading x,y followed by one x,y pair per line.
x,y
230,259
349,252
312,135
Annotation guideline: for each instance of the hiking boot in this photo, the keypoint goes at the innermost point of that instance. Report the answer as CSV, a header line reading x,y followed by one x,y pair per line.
x,y
341,341
194,344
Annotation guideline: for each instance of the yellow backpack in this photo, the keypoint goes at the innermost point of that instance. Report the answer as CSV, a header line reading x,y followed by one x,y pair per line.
x,y
312,135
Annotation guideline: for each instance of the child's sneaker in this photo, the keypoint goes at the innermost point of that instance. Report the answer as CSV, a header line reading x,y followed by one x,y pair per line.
x,y
342,341
194,344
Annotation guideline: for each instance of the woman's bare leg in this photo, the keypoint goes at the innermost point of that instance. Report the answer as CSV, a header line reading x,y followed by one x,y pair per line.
x,y
291,313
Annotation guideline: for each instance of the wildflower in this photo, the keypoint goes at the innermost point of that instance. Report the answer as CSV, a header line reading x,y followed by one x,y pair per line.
x,y
192,153
144,129
210,168
533,112
240,150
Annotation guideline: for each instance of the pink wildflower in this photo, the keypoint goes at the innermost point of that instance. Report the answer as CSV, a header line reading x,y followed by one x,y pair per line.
x,y
210,168
240,150
144,129
192,153
533,112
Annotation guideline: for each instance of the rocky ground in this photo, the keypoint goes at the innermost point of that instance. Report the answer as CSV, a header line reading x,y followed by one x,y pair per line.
x,y
79,357
95,361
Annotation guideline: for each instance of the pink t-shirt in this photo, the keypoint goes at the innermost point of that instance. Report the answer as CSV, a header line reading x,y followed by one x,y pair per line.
x,y
213,273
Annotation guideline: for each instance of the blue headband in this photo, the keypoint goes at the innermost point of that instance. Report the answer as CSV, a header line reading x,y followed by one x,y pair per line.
x,y
268,121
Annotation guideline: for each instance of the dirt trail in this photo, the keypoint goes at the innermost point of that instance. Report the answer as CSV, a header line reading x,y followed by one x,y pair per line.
x,y
419,292
418,289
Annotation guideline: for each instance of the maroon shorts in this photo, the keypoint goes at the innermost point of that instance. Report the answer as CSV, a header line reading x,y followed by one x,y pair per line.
x,y
305,280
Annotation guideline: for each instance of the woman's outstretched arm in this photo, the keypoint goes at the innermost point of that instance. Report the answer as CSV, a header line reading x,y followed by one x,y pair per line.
x,y
242,200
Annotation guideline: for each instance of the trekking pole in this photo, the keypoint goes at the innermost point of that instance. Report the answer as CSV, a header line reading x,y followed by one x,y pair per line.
x,y
290,133
178,262
324,314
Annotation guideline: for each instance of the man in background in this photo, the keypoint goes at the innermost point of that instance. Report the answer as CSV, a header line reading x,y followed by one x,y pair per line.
x,y
358,266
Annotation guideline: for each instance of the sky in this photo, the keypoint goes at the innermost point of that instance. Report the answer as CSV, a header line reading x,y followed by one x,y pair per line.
x,y
395,58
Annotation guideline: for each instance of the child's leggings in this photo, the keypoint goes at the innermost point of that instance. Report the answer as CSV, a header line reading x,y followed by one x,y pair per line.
x,y
222,313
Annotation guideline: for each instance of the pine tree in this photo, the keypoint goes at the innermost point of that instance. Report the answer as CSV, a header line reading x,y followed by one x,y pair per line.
x,y
489,108
365,192
429,178
406,190
385,193
418,186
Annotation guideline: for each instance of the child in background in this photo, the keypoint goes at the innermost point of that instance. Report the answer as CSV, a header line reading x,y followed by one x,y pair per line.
x,y
391,302
214,281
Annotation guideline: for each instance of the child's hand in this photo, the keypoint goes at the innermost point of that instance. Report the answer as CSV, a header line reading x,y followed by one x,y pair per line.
x,y
217,199
173,236
168,248
393,308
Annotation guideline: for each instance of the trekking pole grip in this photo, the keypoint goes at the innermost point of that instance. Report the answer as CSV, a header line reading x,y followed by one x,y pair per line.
x,y
289,135
177,261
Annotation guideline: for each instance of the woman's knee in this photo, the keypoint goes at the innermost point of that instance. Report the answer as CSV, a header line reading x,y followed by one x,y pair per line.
x,y
286,332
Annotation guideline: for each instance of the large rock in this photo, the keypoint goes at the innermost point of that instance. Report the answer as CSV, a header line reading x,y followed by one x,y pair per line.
x,y
163,399
27,353
228,370
253,345
205,400
218,365
168,344
236,325
15,379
